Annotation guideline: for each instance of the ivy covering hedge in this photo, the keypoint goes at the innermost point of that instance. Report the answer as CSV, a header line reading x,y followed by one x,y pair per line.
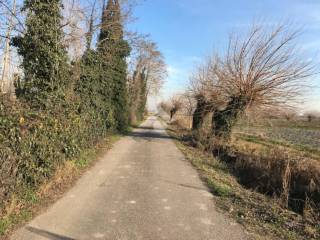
x,y
34,143
56,116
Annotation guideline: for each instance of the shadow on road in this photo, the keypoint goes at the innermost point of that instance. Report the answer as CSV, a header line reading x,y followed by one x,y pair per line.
x,y
148,128
148,135
47,234
199,188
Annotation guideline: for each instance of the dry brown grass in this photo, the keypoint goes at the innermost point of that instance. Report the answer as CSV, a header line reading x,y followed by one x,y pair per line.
x,y
260,184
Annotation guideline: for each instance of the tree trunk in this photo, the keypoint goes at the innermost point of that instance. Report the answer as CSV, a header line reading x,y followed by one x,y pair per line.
x,y
202,110
6,84
171,114
223,121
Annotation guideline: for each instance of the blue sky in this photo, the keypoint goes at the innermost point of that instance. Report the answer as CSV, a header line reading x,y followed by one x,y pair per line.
x,y
188,30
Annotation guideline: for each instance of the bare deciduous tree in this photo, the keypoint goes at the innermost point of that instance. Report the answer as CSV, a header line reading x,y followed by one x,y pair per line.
x,y
204,88
172,106
261,69
6,81
146,55
74,23
188,106
82,22
148,72
175,105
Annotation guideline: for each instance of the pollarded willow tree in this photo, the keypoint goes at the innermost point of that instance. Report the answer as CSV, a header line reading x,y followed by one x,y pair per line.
x,y
262,69
44,56
175,104
203,87
114,50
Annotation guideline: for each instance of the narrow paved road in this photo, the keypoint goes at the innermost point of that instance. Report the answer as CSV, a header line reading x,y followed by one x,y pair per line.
x,y
141,189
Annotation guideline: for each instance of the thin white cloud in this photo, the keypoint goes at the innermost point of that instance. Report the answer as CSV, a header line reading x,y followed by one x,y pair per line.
x,y
173,71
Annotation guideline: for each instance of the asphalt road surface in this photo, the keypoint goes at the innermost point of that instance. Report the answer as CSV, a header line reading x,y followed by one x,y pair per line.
x,y
141,189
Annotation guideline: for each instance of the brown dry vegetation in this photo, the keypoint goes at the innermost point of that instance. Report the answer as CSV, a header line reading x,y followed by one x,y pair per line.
x,y
273,192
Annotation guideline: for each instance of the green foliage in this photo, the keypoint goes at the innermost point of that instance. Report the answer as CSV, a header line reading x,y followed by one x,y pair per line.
x,y
23,216
44,56
22,132
95,91
224,120
113,50
201,111
142,101
138,96
34,143
4,223
220,190
53,121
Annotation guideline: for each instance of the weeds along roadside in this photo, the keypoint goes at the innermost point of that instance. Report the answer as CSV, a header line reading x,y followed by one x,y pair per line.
x,y
265,215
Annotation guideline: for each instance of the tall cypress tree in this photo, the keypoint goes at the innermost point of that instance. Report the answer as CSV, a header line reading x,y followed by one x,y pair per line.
x,y
114,50
142,101
44,56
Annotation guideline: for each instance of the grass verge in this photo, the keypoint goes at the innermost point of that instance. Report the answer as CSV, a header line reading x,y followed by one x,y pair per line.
x,y
29,203
262,216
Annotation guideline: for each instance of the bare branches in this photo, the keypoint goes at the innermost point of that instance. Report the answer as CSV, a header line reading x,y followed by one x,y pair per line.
x,y
11,12
205,83
147,72
175,105
74,28
6,83
147,58
264,67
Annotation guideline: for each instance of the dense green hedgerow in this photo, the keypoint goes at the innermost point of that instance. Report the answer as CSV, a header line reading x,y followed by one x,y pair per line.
x,y
34,143
59,113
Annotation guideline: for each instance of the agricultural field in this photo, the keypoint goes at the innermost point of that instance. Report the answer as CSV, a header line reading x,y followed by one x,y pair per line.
x,y
300,134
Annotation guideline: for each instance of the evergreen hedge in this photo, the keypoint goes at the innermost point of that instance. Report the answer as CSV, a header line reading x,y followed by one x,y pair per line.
x,y
54,119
